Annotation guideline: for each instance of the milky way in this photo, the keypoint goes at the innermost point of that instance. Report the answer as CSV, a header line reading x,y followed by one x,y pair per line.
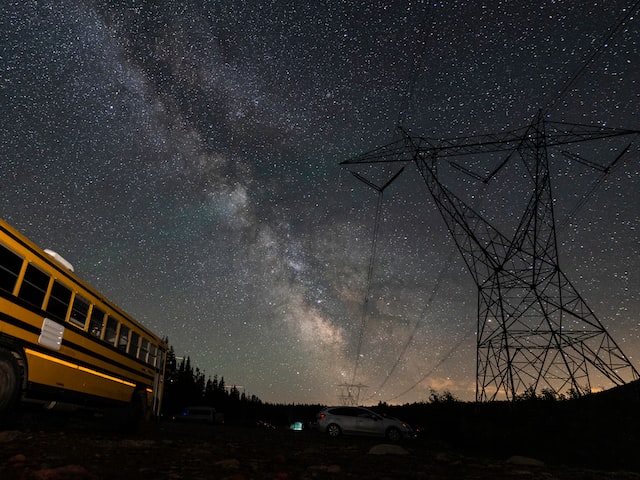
x,y
184,156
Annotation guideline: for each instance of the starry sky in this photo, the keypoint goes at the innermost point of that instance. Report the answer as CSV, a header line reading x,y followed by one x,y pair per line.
x,y
184,157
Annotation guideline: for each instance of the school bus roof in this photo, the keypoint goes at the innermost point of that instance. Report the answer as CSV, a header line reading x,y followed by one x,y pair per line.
x,y
69,273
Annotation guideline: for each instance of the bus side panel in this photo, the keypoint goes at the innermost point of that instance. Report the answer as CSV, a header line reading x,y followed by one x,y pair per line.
x,y
47,370
26,329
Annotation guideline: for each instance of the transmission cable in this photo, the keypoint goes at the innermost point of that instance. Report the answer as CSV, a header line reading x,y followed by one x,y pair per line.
x,y
374,245
413,77
365,303
451,351
409,96
417,325
481,195
593,55
594,186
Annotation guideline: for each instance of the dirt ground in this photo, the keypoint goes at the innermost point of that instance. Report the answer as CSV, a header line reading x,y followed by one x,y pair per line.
x,y
77,449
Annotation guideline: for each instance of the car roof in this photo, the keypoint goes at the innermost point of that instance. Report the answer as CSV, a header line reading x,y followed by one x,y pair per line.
x,y
347,408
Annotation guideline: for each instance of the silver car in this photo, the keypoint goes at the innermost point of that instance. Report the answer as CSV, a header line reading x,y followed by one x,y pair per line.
x,y
336,421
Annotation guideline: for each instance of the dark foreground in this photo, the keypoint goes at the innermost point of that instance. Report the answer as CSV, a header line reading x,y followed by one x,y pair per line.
x,y
69,448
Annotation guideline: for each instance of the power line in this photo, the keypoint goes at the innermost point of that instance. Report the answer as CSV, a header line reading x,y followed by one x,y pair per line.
x,y
363,320
595,54
409,341
436,366
605,171
568,85
481,195
413,77
365,303
529,313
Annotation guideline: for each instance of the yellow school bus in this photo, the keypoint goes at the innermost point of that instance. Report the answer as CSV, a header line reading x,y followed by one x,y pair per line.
x,y
61,341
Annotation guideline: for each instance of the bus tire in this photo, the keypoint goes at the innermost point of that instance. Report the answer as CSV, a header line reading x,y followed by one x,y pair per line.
x,y
139,408
9,381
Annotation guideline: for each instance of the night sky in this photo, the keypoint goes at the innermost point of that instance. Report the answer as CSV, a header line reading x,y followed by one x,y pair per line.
x,y
184,157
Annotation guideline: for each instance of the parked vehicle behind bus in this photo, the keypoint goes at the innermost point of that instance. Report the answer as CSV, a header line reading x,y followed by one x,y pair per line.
x,y
63,341
202,414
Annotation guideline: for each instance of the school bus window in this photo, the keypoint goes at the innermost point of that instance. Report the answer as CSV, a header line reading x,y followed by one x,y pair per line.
x,y
34,286
112,330
79,311
96,322
144,350
152,355
10,265
123,338
59,301
160,359
133,347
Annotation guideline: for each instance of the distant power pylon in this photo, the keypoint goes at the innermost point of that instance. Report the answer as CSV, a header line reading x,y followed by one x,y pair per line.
x,y
349,393
534,330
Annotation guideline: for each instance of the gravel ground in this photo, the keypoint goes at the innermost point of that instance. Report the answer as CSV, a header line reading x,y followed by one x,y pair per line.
x,y
73,449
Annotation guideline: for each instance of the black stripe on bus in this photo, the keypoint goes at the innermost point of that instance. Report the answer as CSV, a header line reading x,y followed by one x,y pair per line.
x,y
34,346
92,338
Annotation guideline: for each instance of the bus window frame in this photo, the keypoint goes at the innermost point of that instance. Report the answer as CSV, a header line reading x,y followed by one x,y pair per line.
x,y
110,319
9,273
120,345
103,328
23,281
58,301
72,308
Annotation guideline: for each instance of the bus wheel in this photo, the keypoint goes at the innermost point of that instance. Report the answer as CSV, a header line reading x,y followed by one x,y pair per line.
x,y
139,409
9,380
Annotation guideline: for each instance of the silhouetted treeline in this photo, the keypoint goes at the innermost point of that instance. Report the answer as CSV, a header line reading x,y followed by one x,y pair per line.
x,y
186,385
599,430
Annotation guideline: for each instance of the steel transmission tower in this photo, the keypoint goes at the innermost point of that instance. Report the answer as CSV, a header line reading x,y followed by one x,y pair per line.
x,y
350,393
534,330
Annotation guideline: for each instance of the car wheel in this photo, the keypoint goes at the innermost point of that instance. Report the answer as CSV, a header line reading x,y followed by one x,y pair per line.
x,y
393,434
333,430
